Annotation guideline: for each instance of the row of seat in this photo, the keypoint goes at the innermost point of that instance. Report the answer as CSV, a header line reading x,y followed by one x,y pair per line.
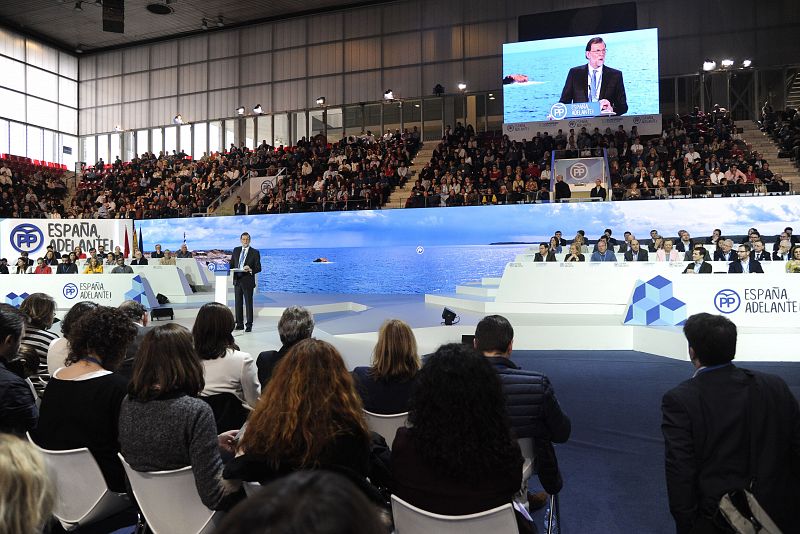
x,y
23,162
169,502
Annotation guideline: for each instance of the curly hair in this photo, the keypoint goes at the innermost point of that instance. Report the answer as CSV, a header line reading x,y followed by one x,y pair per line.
x,y
105,332
310,400
458,418
74,313
213,331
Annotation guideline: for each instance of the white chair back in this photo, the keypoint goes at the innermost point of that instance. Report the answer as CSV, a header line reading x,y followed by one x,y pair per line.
x,y
526,447
409,519
82,494
169,501
386,425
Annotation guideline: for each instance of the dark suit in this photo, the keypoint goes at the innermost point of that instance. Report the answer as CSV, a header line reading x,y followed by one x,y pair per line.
x,y
736,267
719,256
762,256
681,247
67,268
777,257
551,256
705,268
642,255
142,261
707,442
245,283
598,192
612,88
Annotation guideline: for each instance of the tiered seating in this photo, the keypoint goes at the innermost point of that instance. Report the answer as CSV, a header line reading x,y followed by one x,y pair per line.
x,y
31,188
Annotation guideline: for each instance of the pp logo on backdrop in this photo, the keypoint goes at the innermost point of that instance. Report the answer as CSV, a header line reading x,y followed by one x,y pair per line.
x,y
558,111
727,301
578,171
27,237
70,291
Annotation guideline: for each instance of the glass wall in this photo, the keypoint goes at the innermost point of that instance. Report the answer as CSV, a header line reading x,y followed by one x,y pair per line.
x,y
215,136
335,128
230,134
142,141
157,140
200,139
264,125
170,139
281,129
185,139
249,132
116,148
102,148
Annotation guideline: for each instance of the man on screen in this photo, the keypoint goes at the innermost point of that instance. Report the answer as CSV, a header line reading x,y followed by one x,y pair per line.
x,y
594,82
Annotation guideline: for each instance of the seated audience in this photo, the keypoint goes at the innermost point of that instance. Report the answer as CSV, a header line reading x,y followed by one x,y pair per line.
x,y
42,267
309,417
667,252
574,253
18,412
22,267
80,407
636,253
744,264
783,252
138,258
93,266
40,309
58,350
137,313
725,251
296,324
163,425
68,265
698,265
168,259
311,502
385,387
603,253
544,254
458,456
793,265
28,495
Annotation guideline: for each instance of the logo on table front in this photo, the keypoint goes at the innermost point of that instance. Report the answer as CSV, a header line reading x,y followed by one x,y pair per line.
x,y
727,301
558,111
212,267
27,237
70,291
578,171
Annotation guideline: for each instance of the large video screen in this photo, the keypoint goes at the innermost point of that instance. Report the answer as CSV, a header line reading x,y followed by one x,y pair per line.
x,y
609,74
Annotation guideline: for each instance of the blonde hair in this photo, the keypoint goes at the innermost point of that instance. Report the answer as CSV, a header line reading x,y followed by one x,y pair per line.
x,y
28,497
395,354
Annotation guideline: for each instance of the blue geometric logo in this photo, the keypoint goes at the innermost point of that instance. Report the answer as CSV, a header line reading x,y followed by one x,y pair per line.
x,y
653,304
15,300
137,292
727,301
27,237
70,291
558,111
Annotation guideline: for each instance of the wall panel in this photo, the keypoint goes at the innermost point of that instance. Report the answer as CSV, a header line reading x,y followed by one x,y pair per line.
x,y
484,39
363,87
404,82
288,64
362,54
290,33
447,74
67,66
193,108
257,94
162,111
88,67
109,91
193,78
136,87
483,74
108,117
256,39
222,103
401,16
163,82
87,95
109,64
223,73
325,27
442,13
289,95
193,49
42,56
442,44
256,69
164,54
135,115
362,22
136,59
12,44
325,59
330,87
68,92
401,49
86,121
223,44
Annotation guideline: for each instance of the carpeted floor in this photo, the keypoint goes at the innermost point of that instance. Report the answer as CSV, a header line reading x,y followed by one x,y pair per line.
x,y
613,464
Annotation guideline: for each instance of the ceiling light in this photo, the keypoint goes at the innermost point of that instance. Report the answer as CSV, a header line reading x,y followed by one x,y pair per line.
x,y
388,95
492,98
257,109
78,6
321,101
462,86
117,128
204,25
416,105
746,63
178,119
240,110
220,22
709,65
727,63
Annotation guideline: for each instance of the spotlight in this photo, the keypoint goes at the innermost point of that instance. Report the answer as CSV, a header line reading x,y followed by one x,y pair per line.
x,y
257,109
320,101
204,25
117,128
79,6
727,63
220,22
709,65
178,119
462,86
746,63
388,95
438,89
449,317
240,110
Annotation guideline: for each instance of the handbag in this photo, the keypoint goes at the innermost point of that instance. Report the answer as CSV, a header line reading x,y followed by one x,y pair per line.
x,y
740,508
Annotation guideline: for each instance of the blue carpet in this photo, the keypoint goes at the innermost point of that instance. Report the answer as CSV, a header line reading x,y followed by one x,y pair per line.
x,y
613,464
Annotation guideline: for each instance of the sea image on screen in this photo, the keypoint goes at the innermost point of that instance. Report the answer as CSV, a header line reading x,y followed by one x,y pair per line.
x,y
536,73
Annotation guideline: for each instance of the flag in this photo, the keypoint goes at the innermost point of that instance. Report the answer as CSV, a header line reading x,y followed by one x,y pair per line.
x,y
141,241
184,237
127,250
135,240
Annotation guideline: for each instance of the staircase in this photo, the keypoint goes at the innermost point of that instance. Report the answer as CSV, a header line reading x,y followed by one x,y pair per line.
x,y
793,95
760,142
399,196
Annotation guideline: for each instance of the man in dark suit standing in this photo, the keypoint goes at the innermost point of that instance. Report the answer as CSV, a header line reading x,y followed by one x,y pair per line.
x,y
744,264
698,265
707,424
598,191
248,259
636,253
594,82
544,254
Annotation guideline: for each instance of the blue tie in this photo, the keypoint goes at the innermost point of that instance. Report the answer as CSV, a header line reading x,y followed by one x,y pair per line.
x,y
593,96
241,257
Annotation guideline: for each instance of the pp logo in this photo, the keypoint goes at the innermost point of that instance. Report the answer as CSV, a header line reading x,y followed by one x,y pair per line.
x,y
420,249
637,120
573,124
578,171
70,291
27,237
212,267
727,301
558,111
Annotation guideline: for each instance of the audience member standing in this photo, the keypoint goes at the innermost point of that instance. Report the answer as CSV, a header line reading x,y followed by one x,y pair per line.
x,y
709,424
385,387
